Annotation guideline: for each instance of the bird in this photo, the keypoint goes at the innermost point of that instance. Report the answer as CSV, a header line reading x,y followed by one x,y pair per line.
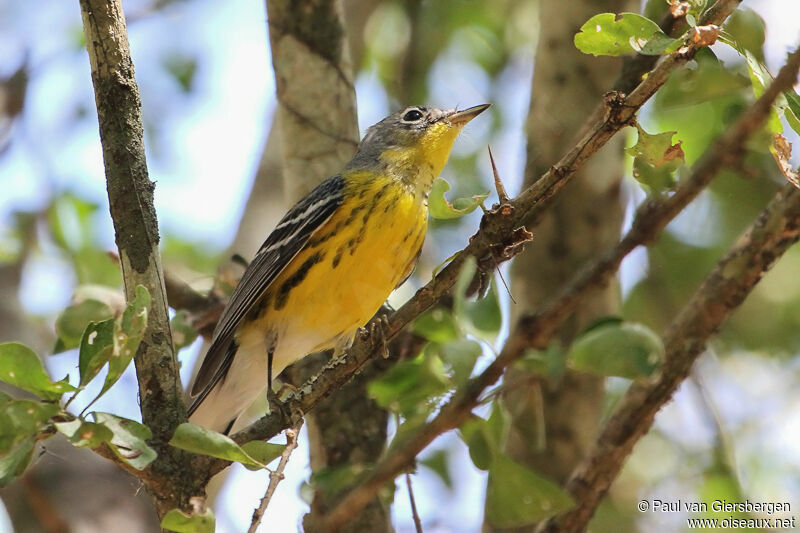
x,y
329,264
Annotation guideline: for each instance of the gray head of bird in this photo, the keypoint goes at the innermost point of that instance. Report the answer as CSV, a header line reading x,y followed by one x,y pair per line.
x,y
413,144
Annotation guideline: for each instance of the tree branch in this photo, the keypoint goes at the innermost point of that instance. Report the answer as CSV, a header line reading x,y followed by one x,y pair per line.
x,y
537,329
499,238
276,476
130,196
724,289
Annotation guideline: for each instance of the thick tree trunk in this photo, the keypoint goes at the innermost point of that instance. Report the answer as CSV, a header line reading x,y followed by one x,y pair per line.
x,y
585,219
319,133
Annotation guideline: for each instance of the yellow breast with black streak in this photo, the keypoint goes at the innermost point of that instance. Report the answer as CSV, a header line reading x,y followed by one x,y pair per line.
x,y
349,266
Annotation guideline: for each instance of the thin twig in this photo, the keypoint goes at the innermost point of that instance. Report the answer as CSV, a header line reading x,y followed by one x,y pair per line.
x,y
414,513
276,476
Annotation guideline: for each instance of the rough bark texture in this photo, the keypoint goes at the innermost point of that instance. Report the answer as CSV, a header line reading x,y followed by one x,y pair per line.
x,y
130,195
314,84
584,220
319,133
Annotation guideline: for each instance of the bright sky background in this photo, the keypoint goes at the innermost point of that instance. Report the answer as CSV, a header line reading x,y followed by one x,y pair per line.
x,y
203,174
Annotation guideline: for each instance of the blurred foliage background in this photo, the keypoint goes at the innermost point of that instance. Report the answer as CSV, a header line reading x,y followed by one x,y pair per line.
x,y
204,73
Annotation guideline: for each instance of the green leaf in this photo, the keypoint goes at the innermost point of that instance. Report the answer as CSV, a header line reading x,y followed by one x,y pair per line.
x,y
549,363
70,221
177,520
437,325
84,434
197,439
655,159
410,386
129,440
792,110
21,367
460,355
333,480
483,446
499,423
97,346
628,350
516,496
263,452
440,208
747,29
14,463
72,322
183,333
438,462
20,419
182,68
410,426
608,34
128,332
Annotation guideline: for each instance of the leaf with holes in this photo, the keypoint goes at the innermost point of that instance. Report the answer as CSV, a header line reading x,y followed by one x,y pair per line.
x,y
655,159
608,34
129,439
128,332
97,346
73,320
83,434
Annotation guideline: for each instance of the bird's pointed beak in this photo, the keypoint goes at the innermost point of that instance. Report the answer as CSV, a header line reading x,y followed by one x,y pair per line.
x,y
459,118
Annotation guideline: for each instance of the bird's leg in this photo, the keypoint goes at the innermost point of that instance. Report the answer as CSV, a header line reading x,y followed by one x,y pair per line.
x,y
377,334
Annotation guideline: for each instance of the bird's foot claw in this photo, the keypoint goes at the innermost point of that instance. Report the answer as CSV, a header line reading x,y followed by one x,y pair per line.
x,y
377,334
276,404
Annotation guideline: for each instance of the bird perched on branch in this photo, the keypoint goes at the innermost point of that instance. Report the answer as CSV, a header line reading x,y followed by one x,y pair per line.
x,y
330,263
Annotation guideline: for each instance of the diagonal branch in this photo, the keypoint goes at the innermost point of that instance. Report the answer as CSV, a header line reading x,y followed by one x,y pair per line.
x,y
499,238
537,329
724,289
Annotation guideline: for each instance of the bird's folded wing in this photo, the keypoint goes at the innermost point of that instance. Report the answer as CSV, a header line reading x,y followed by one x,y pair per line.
x,y
283,244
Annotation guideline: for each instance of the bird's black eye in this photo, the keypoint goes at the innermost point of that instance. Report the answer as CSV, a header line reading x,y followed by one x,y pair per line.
x,y
412,116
